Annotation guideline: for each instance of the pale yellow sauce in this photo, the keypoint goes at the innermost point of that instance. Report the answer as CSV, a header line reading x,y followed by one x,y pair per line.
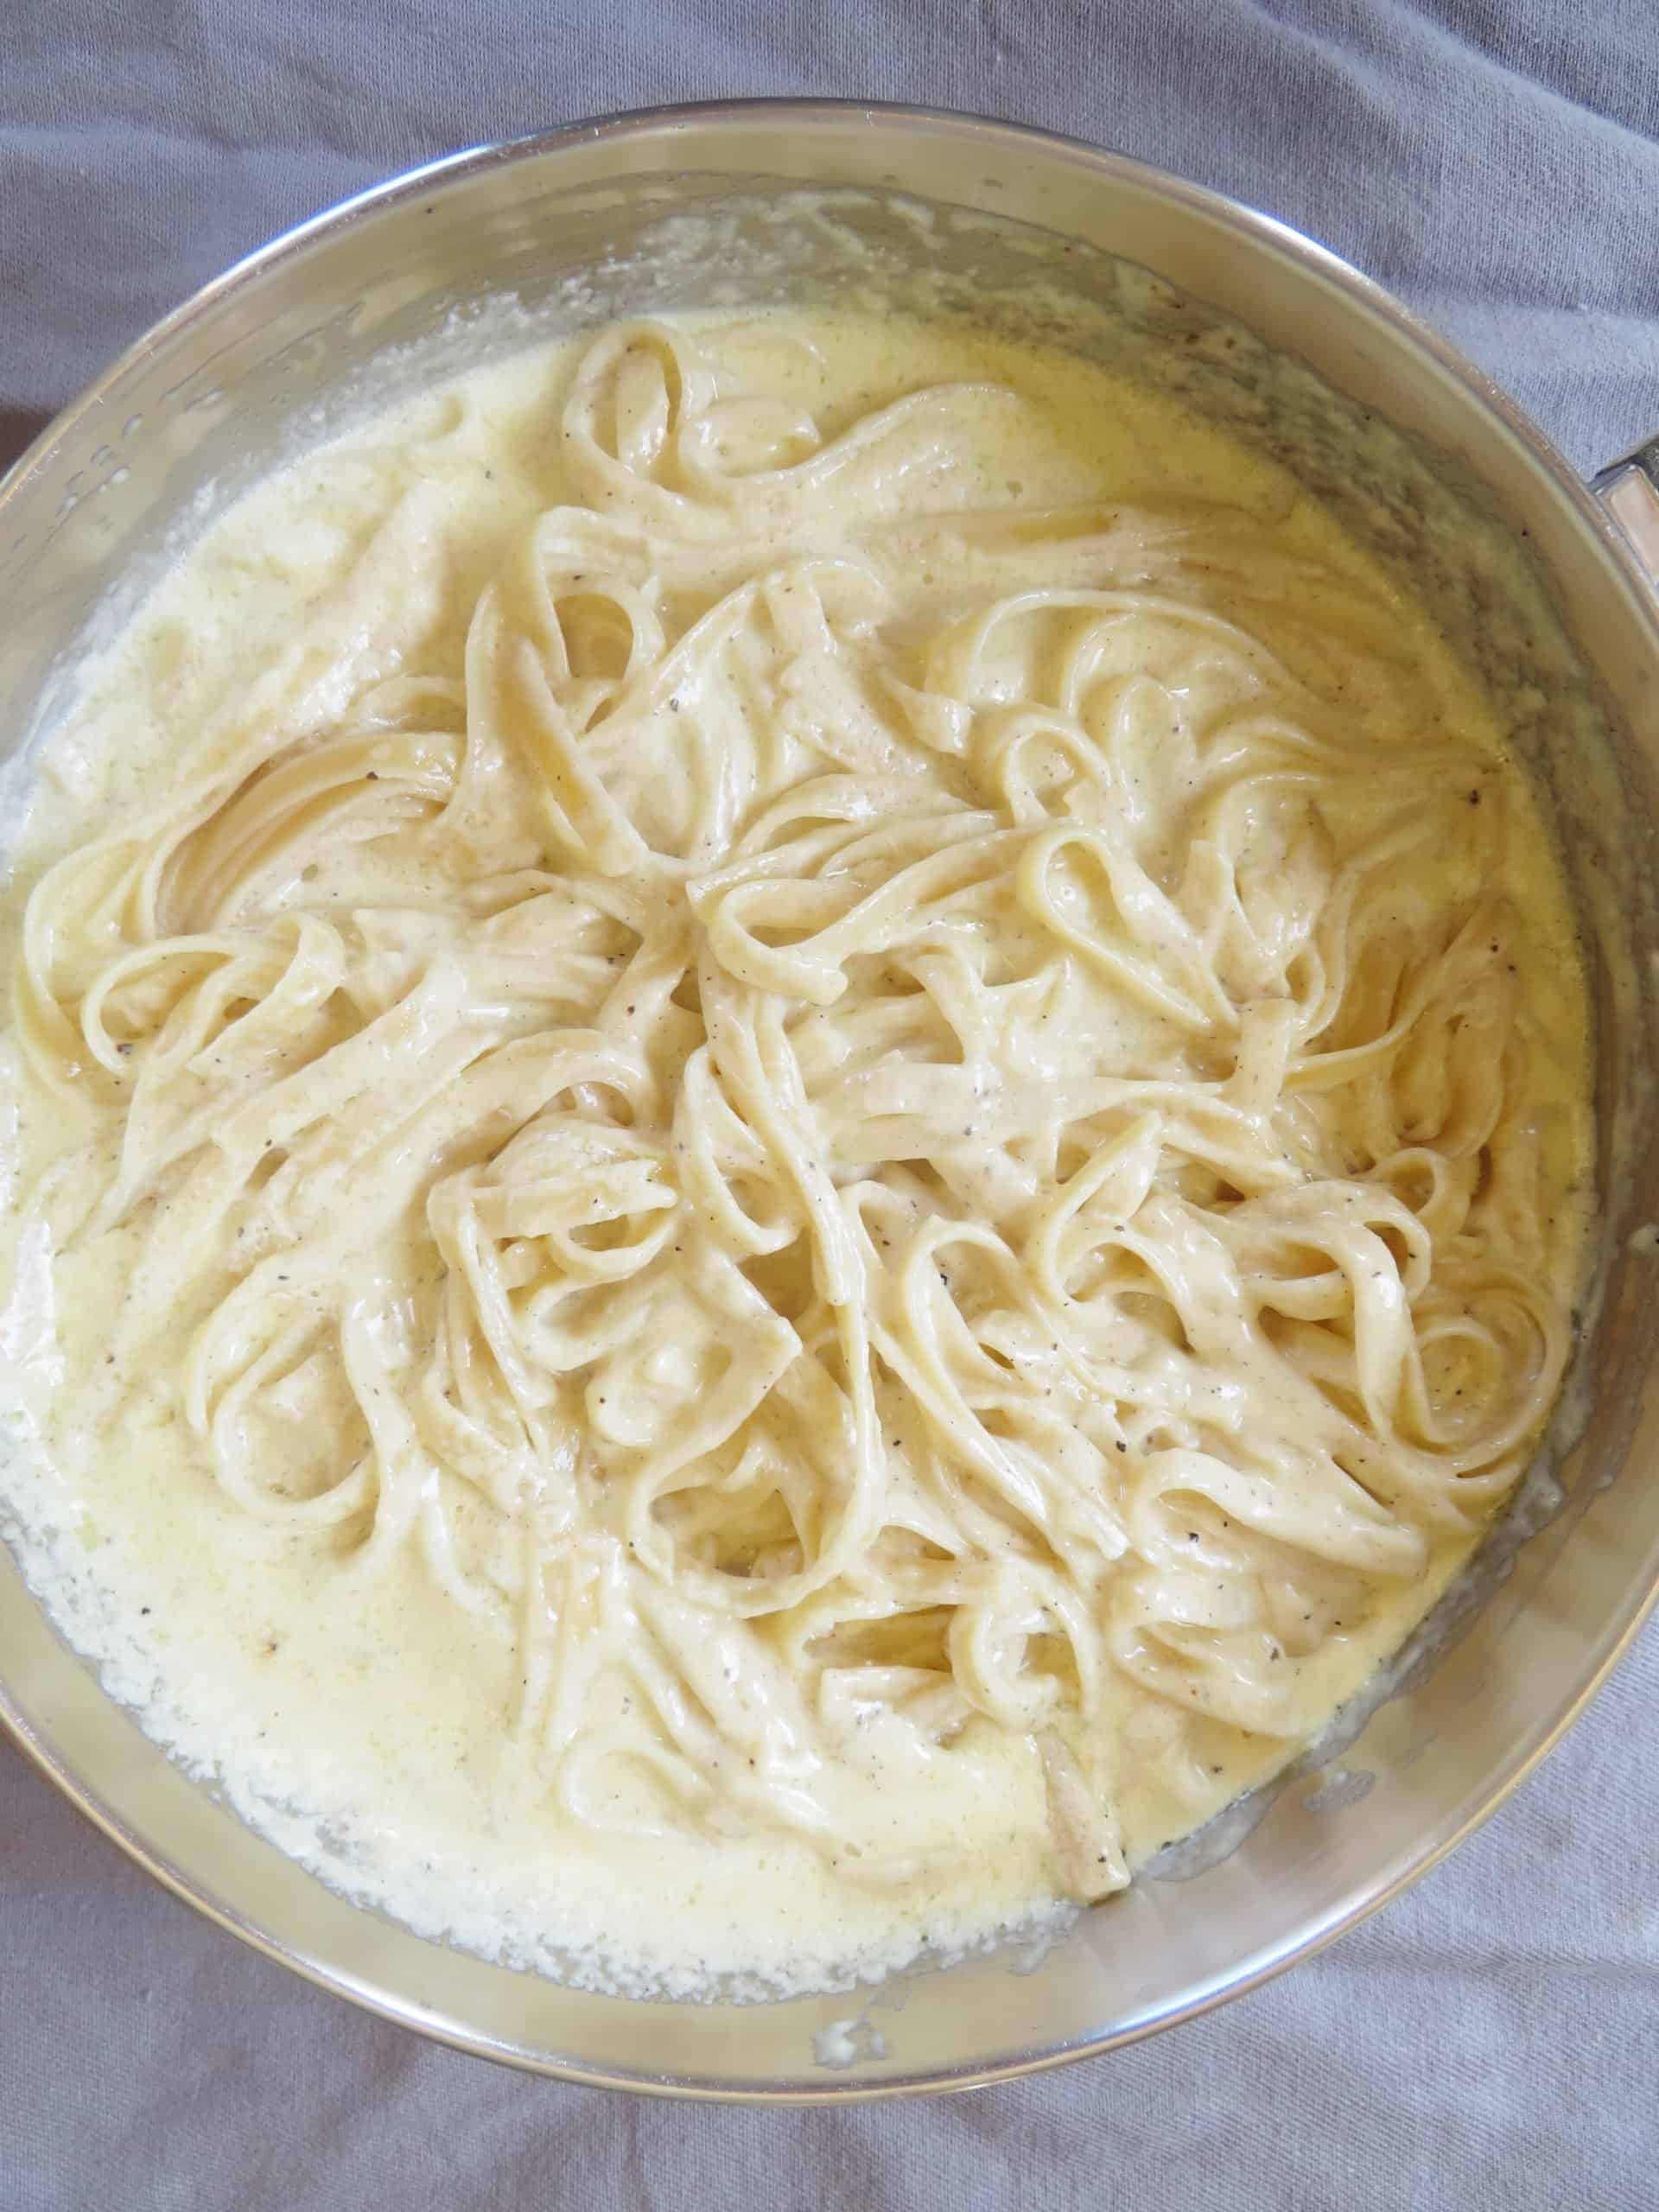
x,y
377,1713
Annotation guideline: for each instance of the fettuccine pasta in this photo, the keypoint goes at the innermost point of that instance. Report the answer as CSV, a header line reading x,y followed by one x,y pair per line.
x,y
860,1112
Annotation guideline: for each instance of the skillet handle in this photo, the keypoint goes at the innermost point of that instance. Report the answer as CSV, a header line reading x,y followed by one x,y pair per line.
x,y
1630,493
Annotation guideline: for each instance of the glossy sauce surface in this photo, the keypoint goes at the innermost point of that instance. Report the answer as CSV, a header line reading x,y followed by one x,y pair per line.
x,y
825,1153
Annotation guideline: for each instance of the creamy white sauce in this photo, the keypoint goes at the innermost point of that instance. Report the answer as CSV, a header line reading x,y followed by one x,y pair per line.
x,y
1042,598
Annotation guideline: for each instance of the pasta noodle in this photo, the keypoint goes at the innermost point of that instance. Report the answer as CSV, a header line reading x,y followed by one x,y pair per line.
x,y
870,1104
